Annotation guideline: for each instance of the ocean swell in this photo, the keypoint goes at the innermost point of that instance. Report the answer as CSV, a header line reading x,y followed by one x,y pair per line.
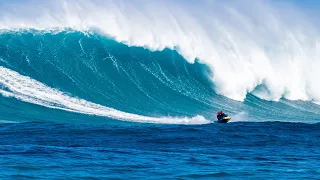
x,y
140,60
246,46
107,74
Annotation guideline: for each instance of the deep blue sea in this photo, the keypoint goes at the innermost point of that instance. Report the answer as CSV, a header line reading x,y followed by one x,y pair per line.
x,y
84,105
270,150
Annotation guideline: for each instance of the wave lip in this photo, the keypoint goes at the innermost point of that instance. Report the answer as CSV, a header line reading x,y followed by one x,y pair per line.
x,y
31,91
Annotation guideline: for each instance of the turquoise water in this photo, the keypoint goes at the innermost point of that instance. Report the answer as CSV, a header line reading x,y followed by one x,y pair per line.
x,y
129,79
83,106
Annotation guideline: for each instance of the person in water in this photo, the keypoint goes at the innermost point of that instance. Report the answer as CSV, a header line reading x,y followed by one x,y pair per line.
x,y
220,115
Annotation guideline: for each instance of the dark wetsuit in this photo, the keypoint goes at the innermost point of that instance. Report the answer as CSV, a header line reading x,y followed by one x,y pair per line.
x,y
220,116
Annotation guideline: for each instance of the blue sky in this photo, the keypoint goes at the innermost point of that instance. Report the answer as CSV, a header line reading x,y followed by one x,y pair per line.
x,y
302,3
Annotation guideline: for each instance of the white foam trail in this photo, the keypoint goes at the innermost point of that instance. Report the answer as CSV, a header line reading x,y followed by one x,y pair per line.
x,y
8,122
239,117
32,91
245,43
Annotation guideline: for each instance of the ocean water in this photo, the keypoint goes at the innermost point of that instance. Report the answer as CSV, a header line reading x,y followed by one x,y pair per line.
x,y
242,150
130,90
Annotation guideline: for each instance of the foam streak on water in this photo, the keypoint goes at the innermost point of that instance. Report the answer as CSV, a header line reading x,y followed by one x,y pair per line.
x,y
31,91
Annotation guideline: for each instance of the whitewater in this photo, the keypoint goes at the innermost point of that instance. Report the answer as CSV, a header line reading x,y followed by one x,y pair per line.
x,y
248,58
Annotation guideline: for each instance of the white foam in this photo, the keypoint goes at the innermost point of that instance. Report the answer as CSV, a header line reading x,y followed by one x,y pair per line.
x,y
245,43
240,117
31,91
8,122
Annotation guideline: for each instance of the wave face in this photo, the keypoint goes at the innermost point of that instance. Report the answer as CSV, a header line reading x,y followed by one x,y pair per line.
x,y
158,62
94,75
90,74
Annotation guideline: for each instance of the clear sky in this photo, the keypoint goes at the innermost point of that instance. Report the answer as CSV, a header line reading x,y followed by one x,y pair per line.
x,y
302,3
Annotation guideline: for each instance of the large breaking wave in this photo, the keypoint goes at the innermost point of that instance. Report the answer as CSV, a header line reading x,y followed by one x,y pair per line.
x,y
66,55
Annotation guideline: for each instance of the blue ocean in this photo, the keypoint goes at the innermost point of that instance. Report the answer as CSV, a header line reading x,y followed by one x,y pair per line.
x,y
130,90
